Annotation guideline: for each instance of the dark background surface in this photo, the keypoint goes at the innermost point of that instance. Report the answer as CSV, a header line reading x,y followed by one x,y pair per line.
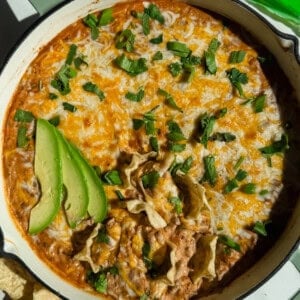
x,y
11,30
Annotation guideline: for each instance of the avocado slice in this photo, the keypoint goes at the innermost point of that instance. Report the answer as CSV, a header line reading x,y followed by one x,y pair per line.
x,y
47,168
97,207
76,199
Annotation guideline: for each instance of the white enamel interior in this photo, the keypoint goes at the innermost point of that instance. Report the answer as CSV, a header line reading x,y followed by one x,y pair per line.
x,y
27,51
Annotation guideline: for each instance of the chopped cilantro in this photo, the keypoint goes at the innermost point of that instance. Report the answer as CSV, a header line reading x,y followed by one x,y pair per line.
x,y
210,173
135,97
125,39
112,178
224,239
132,67
177,204
178,48
22,139
175,69
71,54
93,88
169,100
237,78
23,116
68,106
258,103
237,56
276,147
157,56
157,40
259,227
249,188
106,17
150,179
222,137
207,123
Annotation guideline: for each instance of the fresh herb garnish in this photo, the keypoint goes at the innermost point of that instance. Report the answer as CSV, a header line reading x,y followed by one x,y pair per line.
x,y
237,78
263,192
54,121
169,100
258,103
184,167
147,121
209,56
146,252
154,13
132,67
191,60
79,61
175,134
174,147
120,195
241,175
125,39
249,188
112,178
224,239
259,227
93,88
237,56
137,123
222,137
277,146
154,143
210,173
52,96
157,56
177,204
135,97
188,72
23,116
146,24
22,139
106,17
157,40
102,236
70,107
178,48
221,113
230,186
206,127
71,54
150,179
175,69
239,162
61,80
91,21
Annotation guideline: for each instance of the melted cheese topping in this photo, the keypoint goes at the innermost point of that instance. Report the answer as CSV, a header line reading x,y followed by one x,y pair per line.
x,y
103,130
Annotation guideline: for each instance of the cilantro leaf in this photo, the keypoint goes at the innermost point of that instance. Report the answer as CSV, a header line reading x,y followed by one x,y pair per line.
x,y
175,69
226,240
150,179
277,146
93,88
210,173
135,97
237,56
237,78
132,67
125,39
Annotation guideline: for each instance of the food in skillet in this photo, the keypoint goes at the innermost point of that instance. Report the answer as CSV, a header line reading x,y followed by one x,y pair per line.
x,y
143,151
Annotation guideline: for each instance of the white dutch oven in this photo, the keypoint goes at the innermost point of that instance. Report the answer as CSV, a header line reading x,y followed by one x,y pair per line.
x,y
283,45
